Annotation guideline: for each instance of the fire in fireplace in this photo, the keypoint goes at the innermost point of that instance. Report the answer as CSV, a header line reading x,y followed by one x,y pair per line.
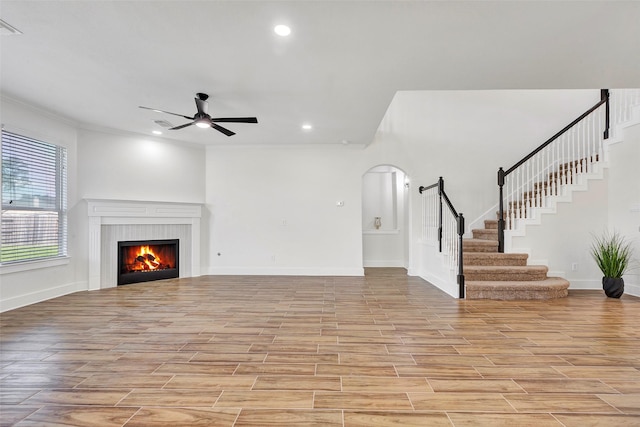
x,y
147,260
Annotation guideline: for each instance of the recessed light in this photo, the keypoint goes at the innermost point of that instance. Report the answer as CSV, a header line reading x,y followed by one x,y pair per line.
x,y
156,132
307,126
282,30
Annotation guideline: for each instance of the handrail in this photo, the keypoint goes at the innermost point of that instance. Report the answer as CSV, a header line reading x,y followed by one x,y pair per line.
x,y
421,188
604,98
459,229
502,174
451,208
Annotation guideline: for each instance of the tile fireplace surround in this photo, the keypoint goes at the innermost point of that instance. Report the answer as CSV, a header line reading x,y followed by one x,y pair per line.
x,y
112,220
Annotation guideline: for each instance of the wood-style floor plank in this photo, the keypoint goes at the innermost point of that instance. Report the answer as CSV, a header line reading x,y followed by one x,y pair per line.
x,y
380,350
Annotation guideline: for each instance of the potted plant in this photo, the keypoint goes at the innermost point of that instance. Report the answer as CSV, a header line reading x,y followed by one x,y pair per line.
x,y
612,253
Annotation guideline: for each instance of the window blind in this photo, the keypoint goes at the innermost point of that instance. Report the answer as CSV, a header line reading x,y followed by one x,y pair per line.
x,y
34,185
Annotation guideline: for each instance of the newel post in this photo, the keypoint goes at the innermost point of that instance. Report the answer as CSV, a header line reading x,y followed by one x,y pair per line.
x,y
460,256
604,94
440,192
500,211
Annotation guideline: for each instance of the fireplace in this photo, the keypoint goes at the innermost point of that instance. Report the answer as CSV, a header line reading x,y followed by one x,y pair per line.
x,y
147,260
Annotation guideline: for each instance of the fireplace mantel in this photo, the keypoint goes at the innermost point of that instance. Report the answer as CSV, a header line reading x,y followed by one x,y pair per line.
x,y
122,212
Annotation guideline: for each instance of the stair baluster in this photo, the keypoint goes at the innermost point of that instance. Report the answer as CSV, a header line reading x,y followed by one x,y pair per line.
x,y
450,227
571,148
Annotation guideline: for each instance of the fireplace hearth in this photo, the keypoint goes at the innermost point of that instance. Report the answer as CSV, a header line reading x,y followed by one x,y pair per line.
x,y
147,260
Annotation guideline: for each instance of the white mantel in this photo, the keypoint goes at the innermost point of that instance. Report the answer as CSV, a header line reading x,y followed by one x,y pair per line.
x,y
122,212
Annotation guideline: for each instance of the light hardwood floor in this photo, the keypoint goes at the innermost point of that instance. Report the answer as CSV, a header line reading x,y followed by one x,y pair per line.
x,y
384,349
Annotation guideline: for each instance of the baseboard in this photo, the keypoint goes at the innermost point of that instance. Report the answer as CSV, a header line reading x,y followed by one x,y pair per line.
x,y
446,286
42,295
283,271
383,263
585,284
632,289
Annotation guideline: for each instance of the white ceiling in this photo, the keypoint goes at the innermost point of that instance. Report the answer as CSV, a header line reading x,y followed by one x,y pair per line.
x,y
95,62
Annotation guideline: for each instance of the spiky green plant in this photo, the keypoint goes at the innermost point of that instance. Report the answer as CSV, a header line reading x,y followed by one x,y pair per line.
x,y
612,253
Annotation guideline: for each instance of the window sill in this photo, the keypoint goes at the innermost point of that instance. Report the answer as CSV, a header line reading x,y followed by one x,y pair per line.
x,y
33,265
380,231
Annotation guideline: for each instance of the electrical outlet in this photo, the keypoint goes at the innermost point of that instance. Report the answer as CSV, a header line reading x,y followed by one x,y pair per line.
x,y
574,266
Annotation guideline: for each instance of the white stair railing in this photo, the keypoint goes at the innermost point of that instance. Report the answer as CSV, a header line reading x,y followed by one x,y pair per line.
x,y
623,102
561,160
444,227
430,217
558,162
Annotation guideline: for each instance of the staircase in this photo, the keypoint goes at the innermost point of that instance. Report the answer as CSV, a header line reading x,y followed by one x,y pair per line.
x,y
533,186
504,276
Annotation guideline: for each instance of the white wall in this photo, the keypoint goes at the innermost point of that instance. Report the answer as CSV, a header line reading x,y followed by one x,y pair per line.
x,y
135,167
25,287
101,165
624,198
274,210
564,238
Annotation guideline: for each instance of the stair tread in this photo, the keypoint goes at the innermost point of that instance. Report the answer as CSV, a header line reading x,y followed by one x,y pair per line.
x,y
485,230
481,241
497,254
506,267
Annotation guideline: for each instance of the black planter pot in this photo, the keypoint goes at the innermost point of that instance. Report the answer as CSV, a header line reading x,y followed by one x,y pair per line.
x,y
613,286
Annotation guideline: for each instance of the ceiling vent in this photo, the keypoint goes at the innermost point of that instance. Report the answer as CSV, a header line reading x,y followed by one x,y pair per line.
x,y
163,123
8,30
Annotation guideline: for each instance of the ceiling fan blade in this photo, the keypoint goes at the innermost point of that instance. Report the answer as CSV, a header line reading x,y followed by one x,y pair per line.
x,y
181,126
166,112
223,130
236,120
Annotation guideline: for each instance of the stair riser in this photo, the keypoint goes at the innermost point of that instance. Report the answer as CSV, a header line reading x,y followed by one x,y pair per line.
x,y
485,234
504,277
491,224
493,260
472,247
516,295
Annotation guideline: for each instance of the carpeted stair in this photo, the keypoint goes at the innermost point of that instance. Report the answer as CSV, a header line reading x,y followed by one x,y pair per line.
x,y
493,275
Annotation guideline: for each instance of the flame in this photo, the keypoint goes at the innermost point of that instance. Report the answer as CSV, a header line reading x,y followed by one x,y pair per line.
x,y
148,258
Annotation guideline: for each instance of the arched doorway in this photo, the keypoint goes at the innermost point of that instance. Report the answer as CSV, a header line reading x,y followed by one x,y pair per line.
x,y
385,217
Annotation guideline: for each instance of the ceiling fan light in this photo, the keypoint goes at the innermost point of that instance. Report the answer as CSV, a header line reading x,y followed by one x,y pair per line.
x,y
203,123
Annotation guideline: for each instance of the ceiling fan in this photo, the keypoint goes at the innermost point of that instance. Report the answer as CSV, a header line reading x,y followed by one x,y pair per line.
x,y
202,118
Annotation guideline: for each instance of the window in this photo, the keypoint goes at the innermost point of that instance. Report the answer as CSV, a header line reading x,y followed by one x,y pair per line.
x,y
34,200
